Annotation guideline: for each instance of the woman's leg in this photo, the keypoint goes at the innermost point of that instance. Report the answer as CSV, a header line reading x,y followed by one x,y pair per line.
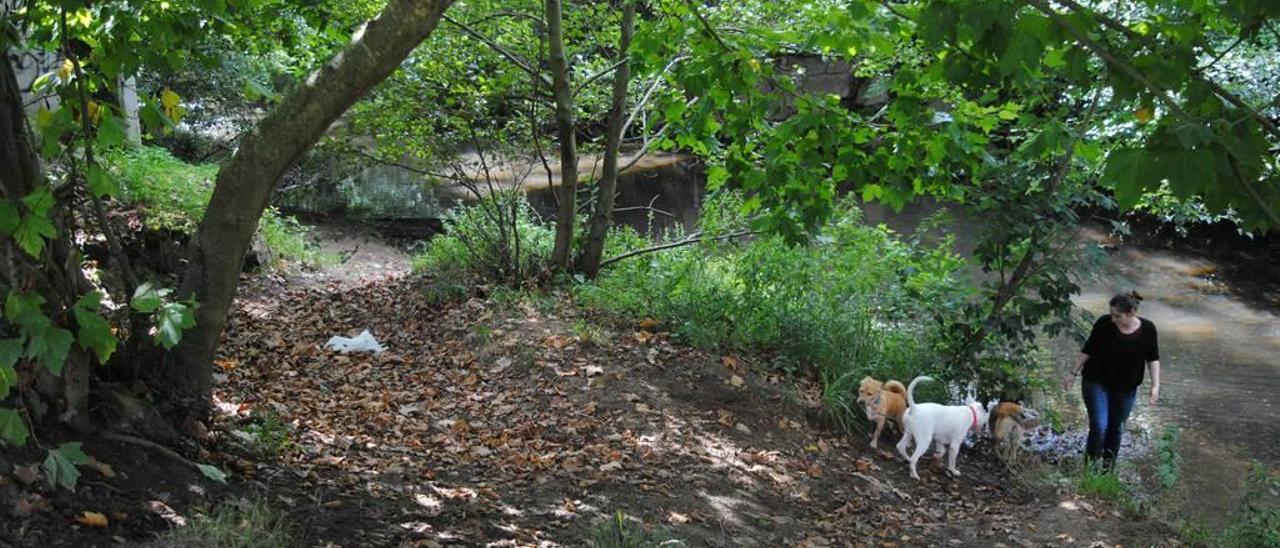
x,y
1095,401
1119,404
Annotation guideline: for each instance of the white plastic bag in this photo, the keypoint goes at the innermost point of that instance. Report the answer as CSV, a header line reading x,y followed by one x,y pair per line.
x,y
364,342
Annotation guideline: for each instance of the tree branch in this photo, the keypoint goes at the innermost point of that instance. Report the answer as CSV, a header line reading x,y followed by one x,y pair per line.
x,y
1113,24
690,239
517,59
598,76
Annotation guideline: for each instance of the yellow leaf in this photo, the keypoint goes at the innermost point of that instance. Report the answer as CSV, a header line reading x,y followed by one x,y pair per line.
x,y
169,100
92,519
44,117
64,72
95,112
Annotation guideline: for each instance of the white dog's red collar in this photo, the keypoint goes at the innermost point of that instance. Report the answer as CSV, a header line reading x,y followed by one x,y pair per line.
x,y
974,427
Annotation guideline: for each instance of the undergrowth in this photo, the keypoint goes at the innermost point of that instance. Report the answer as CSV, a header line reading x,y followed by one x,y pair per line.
x,y
172,196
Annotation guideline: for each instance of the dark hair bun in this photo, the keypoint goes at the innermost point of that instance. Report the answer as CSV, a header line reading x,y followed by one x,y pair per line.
x,y
1135,296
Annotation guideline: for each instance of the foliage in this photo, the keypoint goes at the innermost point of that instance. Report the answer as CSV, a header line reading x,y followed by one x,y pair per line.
x,y
1096,482
500,238
173,195
858,301
240,524
1169,465
60,465
269,434
1181,214
1257,523
618,531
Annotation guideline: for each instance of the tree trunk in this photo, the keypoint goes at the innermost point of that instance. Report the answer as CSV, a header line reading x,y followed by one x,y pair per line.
x,y
56,275
567,193
603,215
244,184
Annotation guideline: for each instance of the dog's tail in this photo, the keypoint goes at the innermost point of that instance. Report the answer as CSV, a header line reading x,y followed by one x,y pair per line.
x,y
895,387
911,400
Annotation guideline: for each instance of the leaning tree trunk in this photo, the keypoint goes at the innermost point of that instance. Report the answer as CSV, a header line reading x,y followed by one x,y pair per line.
x,y
592,250
55,275
244,184
568,191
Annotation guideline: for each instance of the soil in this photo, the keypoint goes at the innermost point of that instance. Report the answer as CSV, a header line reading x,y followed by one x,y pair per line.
x,y
527,423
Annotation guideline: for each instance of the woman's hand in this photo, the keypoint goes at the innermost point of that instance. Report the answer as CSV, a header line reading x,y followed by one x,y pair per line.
x,y
1155,394
1068,380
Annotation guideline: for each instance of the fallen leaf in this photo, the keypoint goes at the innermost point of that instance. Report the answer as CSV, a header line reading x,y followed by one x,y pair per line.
x,y
863,464
101,467
648,324
731,363
593,370
92,519
737,381
27,474
676,518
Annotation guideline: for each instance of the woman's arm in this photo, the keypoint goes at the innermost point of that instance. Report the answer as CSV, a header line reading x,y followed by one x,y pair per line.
x,y
1074,372
1153,368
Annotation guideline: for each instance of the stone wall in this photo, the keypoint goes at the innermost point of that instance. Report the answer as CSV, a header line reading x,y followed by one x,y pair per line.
x,y
28,66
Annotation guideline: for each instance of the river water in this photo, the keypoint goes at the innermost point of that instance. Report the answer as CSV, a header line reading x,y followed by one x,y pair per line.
x,y
1220,369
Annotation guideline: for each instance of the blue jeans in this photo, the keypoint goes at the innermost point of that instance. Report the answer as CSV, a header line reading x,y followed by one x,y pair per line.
x,y
1108,410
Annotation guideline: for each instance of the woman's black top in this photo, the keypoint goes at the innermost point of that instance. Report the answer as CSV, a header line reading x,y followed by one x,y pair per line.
x,y
1117,360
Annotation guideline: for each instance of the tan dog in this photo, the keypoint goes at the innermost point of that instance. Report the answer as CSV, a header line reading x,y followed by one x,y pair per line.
x,y
1009,423
882,402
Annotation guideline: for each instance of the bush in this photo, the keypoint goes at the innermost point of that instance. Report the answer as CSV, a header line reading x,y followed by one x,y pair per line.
x,y
500,238
857,300
173,196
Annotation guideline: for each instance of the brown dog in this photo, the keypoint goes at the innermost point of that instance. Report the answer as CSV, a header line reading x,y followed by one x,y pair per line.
x,y
882,402
1009,422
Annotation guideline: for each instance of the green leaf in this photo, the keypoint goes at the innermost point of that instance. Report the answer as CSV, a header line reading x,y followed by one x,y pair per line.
x,y
39,201
212,473
12,428
94,331
1124,172
8,379
32,232
1194,172
50,347
146,298
9,216
110,131
10,351
172,319
100,182
60,465
1191,135
24,309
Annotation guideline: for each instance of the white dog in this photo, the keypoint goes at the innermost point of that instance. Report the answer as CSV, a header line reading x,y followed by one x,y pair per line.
x,y
942,424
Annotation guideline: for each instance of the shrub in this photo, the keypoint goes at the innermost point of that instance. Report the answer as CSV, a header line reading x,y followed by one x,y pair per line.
x,y
500,238
856,300
173,195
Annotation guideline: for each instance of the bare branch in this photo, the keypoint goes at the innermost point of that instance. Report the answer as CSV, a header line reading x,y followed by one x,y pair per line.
x,y
690,239
608,70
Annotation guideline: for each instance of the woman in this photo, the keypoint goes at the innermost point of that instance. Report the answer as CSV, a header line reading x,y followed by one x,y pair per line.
x,y
1112,362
